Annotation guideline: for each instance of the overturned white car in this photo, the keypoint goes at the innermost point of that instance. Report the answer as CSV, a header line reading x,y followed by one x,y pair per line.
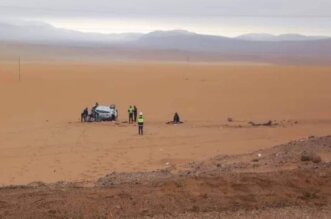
x,y
105,113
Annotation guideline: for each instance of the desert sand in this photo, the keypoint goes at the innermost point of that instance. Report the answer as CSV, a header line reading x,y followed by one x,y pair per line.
x,y
42,139
277,184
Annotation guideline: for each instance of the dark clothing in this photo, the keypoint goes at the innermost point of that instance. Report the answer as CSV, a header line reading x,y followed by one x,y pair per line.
x,y
130,118
93,112
176,118
141,129
84,115
93,109
130,111
135,113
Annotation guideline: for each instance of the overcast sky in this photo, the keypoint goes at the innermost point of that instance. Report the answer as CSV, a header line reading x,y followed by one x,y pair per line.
x,y
221,17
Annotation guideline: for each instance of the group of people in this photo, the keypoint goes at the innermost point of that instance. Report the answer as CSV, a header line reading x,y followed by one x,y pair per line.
x,y
133,117
85,116
133,113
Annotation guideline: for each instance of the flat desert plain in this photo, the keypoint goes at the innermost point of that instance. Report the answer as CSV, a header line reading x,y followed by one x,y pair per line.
x,y
42,138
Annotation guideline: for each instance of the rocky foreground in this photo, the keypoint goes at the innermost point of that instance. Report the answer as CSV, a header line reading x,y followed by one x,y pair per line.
x,y
287,181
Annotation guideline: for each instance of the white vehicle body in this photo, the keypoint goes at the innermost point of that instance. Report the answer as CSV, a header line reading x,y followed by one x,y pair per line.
x,y
106,113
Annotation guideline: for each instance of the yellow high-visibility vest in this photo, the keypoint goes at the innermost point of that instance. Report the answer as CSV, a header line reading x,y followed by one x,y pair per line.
x,y
140,120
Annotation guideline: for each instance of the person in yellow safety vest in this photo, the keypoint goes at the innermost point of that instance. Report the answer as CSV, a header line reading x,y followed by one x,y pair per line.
x,y
141,124
130,111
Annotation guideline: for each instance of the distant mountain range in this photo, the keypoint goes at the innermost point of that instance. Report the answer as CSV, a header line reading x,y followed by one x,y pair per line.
x,y
44,33
44,41
283,37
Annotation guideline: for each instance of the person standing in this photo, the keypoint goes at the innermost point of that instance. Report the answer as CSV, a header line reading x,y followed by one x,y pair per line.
x,y
130,111
93,112
141,124
95,106
84,115
135,113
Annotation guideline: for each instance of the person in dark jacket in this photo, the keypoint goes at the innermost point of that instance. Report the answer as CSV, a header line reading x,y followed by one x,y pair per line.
x,y
176,119
93,112
135,113
84,115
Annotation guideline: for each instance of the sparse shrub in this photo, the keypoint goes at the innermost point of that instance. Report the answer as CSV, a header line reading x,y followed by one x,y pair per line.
x,y
310,156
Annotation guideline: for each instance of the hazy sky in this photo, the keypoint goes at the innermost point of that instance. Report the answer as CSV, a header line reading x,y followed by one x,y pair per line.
x,y
221,17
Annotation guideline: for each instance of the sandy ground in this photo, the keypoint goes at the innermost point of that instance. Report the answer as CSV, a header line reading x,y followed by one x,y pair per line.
x,y
41,138
277,184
